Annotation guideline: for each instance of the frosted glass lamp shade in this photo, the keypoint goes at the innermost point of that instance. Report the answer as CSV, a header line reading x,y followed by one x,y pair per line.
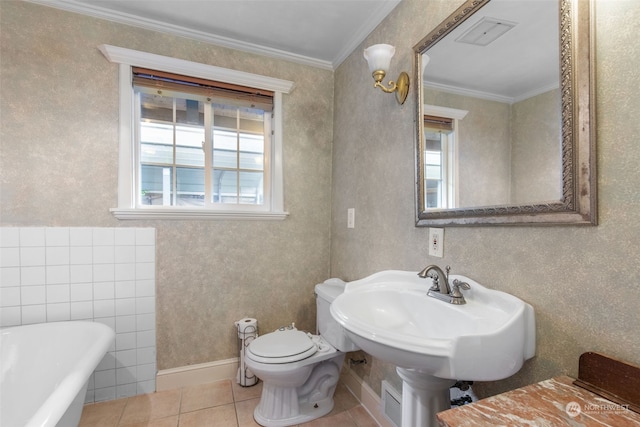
x,y
379,56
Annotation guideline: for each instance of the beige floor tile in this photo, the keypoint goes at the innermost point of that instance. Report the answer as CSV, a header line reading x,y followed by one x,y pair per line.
x,y
343,419
218,416
152,406
206,395
210,405
171,421
343,400
244,410
244,393
362,417
103,414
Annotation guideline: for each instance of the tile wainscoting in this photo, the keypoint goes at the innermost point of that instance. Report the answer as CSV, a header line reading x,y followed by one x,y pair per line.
x,y
105,275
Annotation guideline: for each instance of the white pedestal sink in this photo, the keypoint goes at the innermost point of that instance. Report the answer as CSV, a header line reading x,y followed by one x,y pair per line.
x,y
434,343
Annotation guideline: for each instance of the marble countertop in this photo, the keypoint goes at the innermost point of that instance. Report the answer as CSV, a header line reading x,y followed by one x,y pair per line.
x,y
554,402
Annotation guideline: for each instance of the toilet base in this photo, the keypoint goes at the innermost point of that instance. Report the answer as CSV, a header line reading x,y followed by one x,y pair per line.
x,y
308,411
286,405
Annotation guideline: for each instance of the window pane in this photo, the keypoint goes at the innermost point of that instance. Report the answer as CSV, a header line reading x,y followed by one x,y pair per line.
x,y
156,185
432,141
190,183
432,194
251,151
432,157
251,120
433,164
156,107
156,142
433,172
189,111
189,141
251,188
225,186
225,149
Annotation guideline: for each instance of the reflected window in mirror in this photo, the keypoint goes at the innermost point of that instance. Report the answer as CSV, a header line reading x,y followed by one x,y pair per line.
x,y
439,143
440,152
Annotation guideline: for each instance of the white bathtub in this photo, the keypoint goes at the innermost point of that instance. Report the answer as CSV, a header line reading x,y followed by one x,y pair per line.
x,y
44,371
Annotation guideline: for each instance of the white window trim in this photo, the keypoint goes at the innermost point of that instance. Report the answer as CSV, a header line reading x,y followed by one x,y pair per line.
x,y
126,174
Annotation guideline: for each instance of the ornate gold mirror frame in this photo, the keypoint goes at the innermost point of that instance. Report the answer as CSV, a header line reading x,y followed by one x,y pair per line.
x,y
578,204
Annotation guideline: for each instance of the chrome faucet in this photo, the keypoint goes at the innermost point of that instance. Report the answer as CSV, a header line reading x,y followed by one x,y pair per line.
x,y
441,288
440,278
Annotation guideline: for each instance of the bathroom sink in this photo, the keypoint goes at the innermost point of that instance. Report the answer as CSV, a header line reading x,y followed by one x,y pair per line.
x,y
390,316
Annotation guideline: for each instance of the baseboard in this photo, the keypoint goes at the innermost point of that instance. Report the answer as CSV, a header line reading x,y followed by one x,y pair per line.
x,y
185,376
367,397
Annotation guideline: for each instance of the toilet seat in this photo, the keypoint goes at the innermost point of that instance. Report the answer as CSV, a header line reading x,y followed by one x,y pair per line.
x,y
282,346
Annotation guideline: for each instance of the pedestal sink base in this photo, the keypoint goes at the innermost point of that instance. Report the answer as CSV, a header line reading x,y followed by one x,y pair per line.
x,y
423,396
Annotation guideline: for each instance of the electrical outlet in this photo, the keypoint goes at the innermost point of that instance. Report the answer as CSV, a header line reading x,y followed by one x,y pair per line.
x,y
436,242
351,218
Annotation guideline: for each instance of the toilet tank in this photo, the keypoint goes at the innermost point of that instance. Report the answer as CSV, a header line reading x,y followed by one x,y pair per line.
x,y
328,328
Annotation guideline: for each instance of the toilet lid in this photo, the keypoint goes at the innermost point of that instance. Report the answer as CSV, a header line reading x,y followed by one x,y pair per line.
x,y
282,347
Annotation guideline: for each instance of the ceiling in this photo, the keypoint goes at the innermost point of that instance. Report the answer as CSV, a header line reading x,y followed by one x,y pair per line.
x,y
521,63
320,33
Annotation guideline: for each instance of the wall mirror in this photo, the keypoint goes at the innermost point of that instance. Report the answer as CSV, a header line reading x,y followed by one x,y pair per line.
x,y
505,115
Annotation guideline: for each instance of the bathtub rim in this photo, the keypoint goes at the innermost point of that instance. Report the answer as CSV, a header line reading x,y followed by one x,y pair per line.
x,y
57,403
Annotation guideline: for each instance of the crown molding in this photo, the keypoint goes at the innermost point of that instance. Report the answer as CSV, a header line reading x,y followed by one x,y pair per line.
x,y
487,95
153,25
468,92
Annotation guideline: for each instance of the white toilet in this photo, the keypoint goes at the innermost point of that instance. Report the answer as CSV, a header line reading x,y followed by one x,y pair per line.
x,y
299,370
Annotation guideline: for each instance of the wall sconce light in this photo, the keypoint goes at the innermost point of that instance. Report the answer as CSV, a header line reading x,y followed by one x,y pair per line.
x,y
379,58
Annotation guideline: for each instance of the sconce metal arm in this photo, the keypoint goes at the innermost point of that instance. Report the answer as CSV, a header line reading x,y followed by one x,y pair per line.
x,y
401,87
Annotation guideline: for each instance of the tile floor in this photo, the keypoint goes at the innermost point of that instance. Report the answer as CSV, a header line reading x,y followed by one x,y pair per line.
x,y
219,404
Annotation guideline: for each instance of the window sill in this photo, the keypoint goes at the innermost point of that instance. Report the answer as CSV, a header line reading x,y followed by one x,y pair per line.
x,y
197,214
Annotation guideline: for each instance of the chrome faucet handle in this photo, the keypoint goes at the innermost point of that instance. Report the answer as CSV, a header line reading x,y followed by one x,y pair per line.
x,y
436,283
458,284
455,290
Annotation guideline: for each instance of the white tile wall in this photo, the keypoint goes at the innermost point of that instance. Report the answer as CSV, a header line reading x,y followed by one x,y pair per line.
x,y
105,275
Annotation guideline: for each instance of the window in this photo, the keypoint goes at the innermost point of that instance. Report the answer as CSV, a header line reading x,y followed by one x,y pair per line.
x,y
197,141
200,143
438,169
434,166
438,156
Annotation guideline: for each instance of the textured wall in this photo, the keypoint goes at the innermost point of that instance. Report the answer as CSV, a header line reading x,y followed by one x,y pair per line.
x,y
536,156
584,283
59,155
